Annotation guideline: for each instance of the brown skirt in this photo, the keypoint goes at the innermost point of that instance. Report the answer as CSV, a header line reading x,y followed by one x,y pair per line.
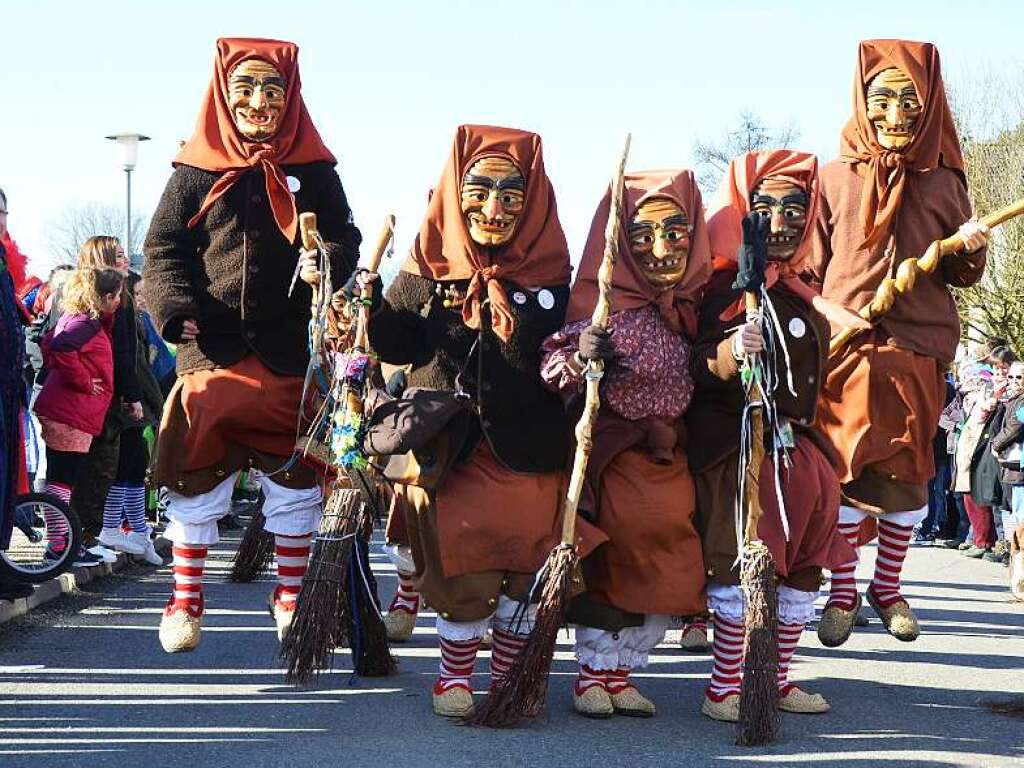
x,y
486,531
216,422
810,490
879,409
652,562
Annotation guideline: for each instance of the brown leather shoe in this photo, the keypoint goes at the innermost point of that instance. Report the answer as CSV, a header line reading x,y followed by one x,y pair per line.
x,y
836,624
898,619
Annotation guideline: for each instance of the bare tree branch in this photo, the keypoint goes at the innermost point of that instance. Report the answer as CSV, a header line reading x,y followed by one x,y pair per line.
x,y
78,222
750,133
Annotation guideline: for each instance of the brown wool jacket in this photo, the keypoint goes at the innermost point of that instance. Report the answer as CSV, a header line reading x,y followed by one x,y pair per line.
x,y
523,421
231,272
713,418
934,204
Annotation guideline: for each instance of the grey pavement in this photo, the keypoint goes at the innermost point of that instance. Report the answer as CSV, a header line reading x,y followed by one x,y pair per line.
x,y
83,682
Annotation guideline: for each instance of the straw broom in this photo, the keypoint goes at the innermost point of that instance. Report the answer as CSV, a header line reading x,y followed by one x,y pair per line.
x,y
906,275
255,552
524,689
759,693
337,604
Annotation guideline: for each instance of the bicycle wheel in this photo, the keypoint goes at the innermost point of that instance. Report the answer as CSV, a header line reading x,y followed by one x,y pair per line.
x,y
30,557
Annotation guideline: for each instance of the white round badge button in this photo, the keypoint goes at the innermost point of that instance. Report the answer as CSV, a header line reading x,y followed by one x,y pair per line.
x,y
546,298
797,328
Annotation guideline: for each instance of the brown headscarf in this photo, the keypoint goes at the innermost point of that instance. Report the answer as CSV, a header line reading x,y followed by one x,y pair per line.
x,y
630,289
217,145
537,253
934,144
732,203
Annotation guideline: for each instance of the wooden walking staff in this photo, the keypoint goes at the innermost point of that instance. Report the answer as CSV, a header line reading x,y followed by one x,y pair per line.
x,y
906,275
759,692
525,686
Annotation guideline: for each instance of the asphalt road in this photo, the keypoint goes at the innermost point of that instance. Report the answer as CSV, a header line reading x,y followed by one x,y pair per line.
x,y
85,683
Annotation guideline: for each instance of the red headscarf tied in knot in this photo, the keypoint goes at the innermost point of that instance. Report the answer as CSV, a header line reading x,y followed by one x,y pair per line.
x,y
537,254
630,288
935,141
217,145
732,203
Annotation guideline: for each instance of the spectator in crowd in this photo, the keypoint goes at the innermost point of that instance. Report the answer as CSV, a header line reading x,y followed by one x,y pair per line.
x,y
12,392
940,484
159,353
1007,447
78,388
118,458
976,386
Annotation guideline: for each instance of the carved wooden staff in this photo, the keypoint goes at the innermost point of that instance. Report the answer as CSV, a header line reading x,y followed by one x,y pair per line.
x,y
523,690
906,275
759,693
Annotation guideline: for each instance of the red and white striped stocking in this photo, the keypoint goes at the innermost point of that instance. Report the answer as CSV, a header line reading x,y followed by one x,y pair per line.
x,y
589,677
789,638
727,652
505,649
893,543
292,553
617,680
187,567
458,657
843,590
406,599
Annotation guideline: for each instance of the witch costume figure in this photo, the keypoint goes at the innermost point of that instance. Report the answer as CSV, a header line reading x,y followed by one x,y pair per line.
x,y
760,222
638,491
486,281
221,253
897,186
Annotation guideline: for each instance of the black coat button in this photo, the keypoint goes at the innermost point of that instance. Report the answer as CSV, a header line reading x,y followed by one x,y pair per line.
x,y
257,199
254,234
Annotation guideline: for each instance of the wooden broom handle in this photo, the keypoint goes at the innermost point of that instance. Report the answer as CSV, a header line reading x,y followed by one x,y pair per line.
x,y
307,228
907,272
366,293
753,469
595,368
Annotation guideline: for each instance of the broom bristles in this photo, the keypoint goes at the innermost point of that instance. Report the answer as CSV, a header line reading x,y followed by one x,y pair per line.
x,y
374,657
522,692
255,552
321,620
759,693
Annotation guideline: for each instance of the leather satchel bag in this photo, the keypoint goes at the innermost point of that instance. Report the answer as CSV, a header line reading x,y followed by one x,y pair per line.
x,y
413,420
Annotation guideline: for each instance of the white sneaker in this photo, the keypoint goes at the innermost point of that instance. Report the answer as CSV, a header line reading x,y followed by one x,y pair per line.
x,y
151,556
117,539
105,555
139,540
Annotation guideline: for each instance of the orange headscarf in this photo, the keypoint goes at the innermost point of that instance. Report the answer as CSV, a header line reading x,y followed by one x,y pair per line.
x,y
935,142
217,145
537,253
732,203
630,289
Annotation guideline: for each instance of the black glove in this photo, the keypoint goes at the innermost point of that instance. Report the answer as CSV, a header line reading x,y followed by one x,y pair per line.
x,y
397,383
352,290
752,256
596,344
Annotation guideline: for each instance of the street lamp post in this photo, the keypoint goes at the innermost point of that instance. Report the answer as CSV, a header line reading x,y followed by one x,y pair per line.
x,y
129,146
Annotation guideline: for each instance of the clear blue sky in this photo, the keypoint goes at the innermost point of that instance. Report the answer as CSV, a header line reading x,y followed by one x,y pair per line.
x,y
387,82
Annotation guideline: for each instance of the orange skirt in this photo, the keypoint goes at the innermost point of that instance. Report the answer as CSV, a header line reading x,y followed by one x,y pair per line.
x,y
652,562
490,518
879,409
218,421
